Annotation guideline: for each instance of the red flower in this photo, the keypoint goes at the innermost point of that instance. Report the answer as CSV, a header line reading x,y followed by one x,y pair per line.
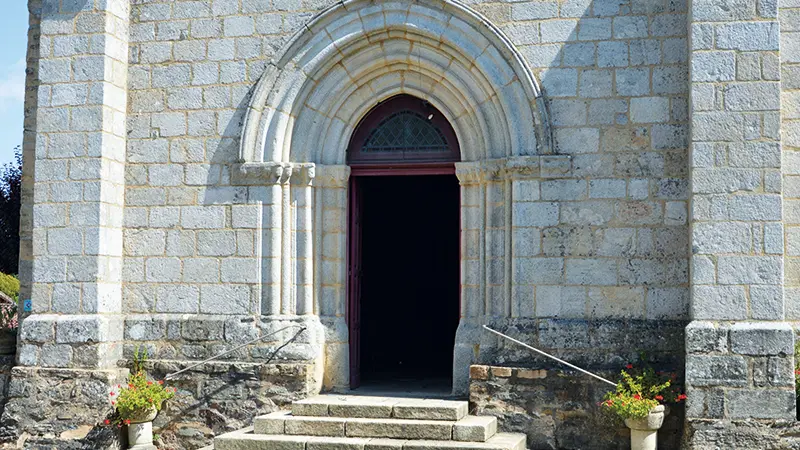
x,y
149,383
160,381
629,366
127,421
112,394
130,385
113,403
107,422
637,397
659,398
682,397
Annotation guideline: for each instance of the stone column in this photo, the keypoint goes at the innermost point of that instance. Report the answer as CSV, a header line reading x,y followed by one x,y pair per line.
x,y
303,205
77,165
271,244
738,346
473,271
330,270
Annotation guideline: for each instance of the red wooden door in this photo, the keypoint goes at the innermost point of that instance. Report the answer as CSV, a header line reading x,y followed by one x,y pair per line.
x,y
355,273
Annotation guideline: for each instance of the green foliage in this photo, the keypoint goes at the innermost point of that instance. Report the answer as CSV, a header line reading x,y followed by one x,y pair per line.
x,y
10,200
640,391
140,395
9,285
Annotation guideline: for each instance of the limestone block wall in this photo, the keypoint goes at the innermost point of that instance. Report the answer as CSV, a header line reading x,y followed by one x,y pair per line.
x,y
615,78
739,347
170,202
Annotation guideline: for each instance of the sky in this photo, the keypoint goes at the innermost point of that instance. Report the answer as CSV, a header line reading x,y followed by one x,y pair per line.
x,y
13,42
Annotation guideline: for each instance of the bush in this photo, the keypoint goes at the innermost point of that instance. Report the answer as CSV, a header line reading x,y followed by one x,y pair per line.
x,y
9,285
10,200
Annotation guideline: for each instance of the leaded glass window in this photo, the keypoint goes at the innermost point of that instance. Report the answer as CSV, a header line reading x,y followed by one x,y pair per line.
x,y
405,131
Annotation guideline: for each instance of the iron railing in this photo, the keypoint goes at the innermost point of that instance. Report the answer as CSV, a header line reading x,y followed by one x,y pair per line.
x,y
550,356
227,352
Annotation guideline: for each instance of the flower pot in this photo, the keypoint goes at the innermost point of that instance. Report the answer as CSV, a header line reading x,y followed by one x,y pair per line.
x,y
644,432
140,430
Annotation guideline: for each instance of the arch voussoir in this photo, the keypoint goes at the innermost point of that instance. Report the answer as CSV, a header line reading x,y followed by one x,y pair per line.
x,y
358,53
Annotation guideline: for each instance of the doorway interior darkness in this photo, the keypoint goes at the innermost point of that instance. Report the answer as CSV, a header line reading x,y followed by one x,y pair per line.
x,y
409,302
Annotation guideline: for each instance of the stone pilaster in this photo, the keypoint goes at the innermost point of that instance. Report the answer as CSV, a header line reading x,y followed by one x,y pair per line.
x,y
78,200
739,349
72,231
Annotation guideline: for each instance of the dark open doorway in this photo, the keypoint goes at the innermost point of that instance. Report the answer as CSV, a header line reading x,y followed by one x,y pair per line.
x,y
409,284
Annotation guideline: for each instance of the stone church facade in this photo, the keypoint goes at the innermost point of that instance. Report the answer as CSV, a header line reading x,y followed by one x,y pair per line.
x,y
627,180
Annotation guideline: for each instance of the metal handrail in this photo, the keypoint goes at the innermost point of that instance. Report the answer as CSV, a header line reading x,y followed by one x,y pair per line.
x,y
551,356
242,346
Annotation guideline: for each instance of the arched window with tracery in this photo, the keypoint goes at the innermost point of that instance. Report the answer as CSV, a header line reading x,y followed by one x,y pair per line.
x,y
403,130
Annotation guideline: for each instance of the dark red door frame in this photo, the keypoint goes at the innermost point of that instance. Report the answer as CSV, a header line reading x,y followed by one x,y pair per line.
x,y
367,165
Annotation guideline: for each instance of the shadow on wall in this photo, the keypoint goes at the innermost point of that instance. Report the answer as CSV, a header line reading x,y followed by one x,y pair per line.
x,y
615,77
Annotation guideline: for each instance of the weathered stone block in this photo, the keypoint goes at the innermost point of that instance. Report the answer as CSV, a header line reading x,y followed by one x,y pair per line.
x,y
762,338
761,403
705,403
706,337
86,329
144,328
704,370
718,303
721,237
752,96
750,270
203,329
713,66
55,355
38,328
748,36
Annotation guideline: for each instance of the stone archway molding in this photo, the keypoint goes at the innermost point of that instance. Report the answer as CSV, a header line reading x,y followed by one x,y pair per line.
x,y
359,52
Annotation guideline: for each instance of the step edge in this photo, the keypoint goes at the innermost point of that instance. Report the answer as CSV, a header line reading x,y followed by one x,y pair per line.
x,y
246,434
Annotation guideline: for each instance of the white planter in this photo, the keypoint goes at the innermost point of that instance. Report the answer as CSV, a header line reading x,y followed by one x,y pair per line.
x,y
140,436
140,431
644,432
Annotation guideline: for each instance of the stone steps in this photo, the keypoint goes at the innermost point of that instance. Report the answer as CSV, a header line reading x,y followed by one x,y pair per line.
x,y
343,422
470,428
247,440
385,407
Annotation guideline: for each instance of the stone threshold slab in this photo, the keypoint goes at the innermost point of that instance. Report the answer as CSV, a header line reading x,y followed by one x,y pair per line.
x,y
469,428
380,407
245,439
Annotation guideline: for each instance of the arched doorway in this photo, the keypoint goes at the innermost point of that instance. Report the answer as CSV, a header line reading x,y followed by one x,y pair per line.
x,y
404,277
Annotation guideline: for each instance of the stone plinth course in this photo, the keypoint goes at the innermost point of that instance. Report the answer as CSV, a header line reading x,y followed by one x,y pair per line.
x,y
376,423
